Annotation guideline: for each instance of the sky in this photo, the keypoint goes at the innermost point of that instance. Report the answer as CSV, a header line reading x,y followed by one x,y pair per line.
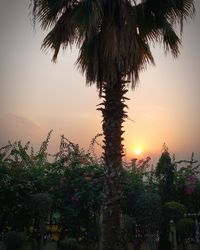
x,y
37,95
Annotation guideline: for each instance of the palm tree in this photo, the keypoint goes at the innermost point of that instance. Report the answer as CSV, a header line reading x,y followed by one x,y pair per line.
x,y
114,39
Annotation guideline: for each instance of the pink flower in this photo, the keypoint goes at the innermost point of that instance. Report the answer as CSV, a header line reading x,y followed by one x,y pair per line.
x,y
192,178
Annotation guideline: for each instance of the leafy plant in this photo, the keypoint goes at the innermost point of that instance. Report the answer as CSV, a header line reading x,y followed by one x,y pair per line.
x,y
148,209
174,211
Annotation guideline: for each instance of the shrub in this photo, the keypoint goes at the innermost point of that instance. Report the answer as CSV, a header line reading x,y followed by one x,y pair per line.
x,y
148,209
174,210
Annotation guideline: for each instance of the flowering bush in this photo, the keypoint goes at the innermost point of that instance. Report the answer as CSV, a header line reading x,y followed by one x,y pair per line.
x,y
70,183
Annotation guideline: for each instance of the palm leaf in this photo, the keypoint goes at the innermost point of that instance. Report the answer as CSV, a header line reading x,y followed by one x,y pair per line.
x,y
47,12
64,33
170,39
88,16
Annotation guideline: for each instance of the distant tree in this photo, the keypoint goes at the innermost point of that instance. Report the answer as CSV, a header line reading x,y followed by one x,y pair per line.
x,y
165,172
114,38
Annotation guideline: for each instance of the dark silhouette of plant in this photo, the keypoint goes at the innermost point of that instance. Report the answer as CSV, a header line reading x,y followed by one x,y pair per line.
x,y
165,172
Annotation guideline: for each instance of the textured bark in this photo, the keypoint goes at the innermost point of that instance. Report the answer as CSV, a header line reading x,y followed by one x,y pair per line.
x,y
113,117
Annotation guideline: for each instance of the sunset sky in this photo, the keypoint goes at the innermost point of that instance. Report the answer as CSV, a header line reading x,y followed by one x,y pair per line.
x,y
37,95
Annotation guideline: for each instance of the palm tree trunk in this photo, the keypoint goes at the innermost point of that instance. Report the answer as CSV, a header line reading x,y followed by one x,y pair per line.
x,y
113,117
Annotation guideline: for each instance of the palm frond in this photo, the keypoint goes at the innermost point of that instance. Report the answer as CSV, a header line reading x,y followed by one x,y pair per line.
x,y
64,33
180,11
148,25
156,20
88,16
47,12
170,39
73,21
88,60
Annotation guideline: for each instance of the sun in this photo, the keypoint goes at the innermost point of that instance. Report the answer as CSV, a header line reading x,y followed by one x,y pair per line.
x,y
138,151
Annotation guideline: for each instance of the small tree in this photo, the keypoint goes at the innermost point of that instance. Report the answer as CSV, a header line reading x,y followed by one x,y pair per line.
x,y
165,172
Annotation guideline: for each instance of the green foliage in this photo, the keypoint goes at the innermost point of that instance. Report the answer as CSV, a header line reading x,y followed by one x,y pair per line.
x,y
22,174
165,171
78,195
164,164
40,204
66,189
133,186
188,186
129,227
40,208
148,209
174,211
